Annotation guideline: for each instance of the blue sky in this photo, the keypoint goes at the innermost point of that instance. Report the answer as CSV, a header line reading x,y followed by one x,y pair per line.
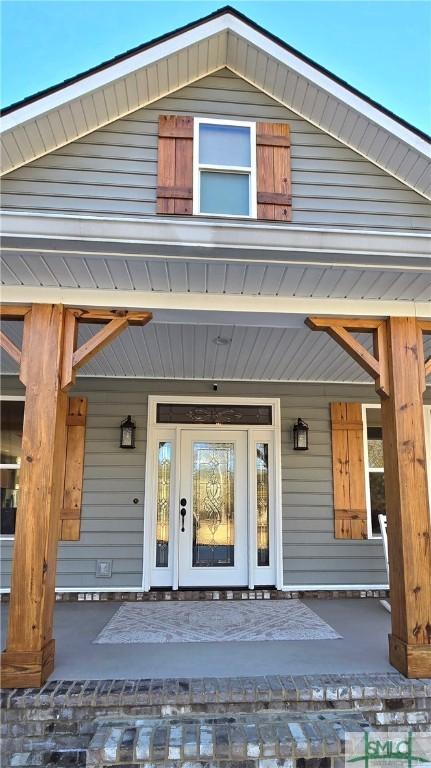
x,y
380,46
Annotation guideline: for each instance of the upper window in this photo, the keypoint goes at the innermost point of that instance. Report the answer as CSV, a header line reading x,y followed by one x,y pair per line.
x,y
12,416
224,168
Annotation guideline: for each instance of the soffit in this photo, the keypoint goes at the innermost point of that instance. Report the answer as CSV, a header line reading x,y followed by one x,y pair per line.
x,y
65,115
59,269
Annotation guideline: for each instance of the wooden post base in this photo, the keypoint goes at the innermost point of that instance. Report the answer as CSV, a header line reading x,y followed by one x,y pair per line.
x,y
27,669
413,661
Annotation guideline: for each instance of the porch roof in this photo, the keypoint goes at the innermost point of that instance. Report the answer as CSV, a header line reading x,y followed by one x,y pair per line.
x,y
248,283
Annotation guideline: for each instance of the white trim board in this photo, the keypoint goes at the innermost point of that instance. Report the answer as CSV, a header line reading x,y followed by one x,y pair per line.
x,y
205,239
333,587
274,382
216,303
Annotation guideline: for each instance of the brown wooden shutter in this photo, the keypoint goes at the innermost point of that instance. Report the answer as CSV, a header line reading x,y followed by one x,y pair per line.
x,y
70,515
175,165
350,509
274,193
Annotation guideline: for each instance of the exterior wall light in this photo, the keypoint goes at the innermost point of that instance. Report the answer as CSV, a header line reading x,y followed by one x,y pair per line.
x,y
128,429
300,436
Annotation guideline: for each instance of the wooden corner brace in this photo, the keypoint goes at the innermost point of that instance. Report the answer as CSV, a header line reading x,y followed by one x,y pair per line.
x,y
9,347
340,330
12,313
114,322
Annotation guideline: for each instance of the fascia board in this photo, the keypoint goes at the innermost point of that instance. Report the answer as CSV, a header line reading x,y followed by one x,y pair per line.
x,y
111,74
228,23
330,86
232,241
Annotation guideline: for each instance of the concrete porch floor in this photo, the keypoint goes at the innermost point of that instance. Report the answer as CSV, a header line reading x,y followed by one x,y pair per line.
x,y
363,624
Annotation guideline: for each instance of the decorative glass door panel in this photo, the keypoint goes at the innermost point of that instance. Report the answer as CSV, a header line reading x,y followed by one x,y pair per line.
x,y
213,504
213,527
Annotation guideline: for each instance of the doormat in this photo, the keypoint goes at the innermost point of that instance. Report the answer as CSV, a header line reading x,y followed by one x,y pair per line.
x,y
204,622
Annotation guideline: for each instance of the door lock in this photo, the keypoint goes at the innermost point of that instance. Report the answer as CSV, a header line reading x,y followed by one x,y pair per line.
x,y
183,512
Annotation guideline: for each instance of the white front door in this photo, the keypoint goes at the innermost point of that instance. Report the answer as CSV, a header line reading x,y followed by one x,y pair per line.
x,y
213,532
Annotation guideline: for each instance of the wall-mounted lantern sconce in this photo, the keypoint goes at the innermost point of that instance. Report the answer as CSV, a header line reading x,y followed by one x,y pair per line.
x,y
128,429
300,436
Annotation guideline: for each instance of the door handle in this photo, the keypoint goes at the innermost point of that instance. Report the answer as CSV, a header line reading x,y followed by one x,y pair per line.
x,y
183,513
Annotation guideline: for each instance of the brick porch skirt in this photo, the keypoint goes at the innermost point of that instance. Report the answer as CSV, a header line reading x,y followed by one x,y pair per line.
x,y
214,594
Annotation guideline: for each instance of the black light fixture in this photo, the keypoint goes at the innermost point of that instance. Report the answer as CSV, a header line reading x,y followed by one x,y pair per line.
x,y
128,429
300,436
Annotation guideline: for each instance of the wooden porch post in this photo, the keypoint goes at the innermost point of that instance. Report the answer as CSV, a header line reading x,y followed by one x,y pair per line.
x,y
48,364
408,512
399,370
29,655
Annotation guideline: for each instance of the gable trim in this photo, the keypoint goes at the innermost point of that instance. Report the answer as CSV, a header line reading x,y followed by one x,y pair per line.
x,y
69,112
192,26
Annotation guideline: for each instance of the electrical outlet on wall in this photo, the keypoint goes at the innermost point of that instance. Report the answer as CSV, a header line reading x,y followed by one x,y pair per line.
x,y
104,569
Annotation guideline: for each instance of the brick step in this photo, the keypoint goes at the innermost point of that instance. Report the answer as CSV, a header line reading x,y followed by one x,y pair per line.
x,y
170,695
265,739
48,720
48,759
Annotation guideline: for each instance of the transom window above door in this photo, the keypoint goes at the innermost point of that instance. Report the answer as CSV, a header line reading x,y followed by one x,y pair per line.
x,y
224,168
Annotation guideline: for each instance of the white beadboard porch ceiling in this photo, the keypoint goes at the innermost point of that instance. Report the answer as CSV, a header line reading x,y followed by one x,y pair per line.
x,y
186,351
192,276
225,39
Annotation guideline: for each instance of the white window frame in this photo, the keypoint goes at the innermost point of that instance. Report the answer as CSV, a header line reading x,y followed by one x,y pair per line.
x,y
3,398
198,167
365,407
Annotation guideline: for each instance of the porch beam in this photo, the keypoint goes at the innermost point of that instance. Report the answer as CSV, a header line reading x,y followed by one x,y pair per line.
x,y
399,343
13,312
106,316
358,324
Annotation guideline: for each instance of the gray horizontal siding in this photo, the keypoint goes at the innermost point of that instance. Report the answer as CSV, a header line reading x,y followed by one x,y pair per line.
x,y
112,525
113,171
